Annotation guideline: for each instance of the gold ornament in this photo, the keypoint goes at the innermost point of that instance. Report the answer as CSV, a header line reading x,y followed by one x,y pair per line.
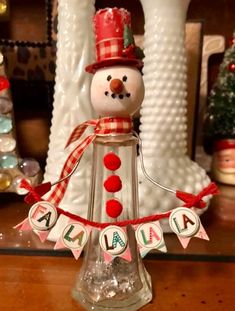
x,y
5,181
3,7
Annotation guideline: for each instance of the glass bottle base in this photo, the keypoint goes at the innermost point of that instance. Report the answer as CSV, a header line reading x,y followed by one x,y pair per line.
x,y
134,302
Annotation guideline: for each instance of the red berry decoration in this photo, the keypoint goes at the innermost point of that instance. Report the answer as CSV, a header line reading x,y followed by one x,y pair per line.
x,y
113,183
112,161
129,51
113,208
231,67
4,83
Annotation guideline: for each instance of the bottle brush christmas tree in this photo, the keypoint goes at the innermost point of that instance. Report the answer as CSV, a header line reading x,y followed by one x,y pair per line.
x,y
220,121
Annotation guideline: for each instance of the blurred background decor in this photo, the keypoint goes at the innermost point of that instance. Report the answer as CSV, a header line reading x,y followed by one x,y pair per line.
x,y
12,168
28,46
4,10
212,45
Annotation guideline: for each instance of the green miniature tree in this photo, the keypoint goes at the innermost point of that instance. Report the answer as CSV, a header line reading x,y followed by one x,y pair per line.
x,y
220,119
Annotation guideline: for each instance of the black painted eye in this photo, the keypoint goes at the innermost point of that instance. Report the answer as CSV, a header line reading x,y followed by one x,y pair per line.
x,y
124,78
109,78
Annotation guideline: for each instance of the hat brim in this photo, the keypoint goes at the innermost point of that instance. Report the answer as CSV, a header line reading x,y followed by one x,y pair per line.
x,y
114,62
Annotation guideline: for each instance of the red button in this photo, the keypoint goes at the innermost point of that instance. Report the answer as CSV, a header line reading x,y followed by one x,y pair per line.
x,y
112,161
113,183
113,208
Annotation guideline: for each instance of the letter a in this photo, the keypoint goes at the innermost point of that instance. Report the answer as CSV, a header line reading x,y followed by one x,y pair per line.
x,y
152,234
186,220
46,217
78,236
117,239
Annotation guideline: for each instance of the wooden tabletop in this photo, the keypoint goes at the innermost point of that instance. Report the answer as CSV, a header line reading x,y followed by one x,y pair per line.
x,y
44,283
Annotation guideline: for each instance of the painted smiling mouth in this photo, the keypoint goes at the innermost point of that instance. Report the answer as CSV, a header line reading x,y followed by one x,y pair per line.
x,y
121,96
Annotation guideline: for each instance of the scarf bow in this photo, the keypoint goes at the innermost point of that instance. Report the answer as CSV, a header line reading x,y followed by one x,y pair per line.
x,y
103,126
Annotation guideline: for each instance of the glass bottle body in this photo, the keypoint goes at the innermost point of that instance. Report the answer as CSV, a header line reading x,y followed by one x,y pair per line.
x,y
118,284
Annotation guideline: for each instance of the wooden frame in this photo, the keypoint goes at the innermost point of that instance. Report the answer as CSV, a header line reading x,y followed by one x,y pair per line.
x,y
193,42
23,58
48,35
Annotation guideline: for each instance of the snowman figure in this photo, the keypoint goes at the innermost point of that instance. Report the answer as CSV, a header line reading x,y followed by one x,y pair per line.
x,y
114,277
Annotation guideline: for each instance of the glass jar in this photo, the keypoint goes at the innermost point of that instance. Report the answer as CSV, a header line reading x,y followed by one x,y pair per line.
x,y
118,284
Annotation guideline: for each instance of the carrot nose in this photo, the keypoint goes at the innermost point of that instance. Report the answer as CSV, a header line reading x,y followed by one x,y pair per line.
x,y
116,86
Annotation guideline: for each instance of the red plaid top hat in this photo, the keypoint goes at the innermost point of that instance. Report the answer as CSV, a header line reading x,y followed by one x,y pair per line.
x,y
114,40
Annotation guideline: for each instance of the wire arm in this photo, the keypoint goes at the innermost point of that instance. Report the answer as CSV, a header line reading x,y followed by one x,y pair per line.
x,y
69,175
144,170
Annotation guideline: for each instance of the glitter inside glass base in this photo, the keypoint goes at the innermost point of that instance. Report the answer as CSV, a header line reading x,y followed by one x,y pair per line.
x,y
119,285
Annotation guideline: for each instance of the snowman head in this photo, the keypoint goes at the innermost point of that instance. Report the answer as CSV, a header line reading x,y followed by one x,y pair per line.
x,y
117,91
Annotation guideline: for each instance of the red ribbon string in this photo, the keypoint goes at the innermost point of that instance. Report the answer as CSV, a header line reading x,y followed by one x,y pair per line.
x,y
123,223
192,200
36,192
33,195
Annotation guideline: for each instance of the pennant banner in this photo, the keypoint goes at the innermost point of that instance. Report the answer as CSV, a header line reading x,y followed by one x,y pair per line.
x,y
113,239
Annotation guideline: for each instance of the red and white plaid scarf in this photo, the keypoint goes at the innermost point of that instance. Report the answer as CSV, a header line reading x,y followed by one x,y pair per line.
x,y
103,126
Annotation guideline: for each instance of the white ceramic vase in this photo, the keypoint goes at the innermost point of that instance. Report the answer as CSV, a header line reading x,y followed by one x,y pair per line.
x,y
75,49
163,113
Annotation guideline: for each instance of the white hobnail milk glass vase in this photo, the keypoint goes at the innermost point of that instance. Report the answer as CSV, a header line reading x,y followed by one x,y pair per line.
x,y
163,128
72,106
